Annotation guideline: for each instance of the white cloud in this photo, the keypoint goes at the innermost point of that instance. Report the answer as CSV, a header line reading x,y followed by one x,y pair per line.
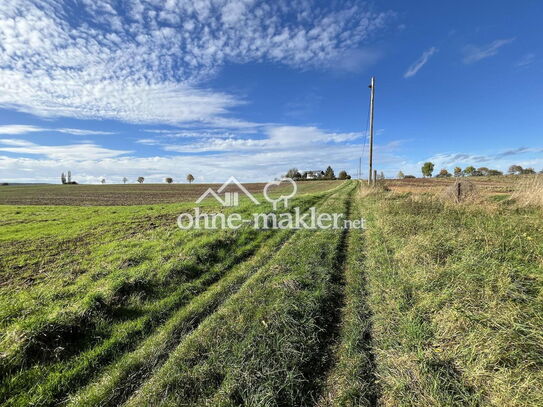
x,y
419,63
144,63
527,59
16,129
250,159
84,151
248,166
475,53
15,142
276,138
82,132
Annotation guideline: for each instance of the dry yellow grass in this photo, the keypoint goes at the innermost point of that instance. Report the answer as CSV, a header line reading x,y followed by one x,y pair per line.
x,y
529,191
488,185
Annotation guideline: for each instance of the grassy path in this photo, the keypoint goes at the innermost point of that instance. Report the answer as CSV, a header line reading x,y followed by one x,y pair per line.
x,y
351,381
123,377
266,344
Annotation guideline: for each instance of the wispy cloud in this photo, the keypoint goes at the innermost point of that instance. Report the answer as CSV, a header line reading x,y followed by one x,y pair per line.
x,y
249,165
527,59
144,62
84,151
475,53
16,129
83,132
256,157
275,138
419,63
500,159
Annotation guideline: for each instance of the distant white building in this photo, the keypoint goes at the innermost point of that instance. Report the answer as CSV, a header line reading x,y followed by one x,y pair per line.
x,y
314,174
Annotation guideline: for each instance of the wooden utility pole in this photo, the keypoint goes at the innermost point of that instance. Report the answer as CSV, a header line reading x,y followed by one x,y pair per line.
x,y
372,98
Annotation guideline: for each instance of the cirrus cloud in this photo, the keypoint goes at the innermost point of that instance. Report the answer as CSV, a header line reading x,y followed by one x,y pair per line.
x,y
475,53
419,63
144,61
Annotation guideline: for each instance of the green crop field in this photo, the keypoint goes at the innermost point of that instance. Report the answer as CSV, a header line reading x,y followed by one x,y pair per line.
x,y
104,301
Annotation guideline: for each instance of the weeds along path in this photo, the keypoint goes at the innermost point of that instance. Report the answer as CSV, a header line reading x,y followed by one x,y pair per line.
x,y
131,321
351,381
265,345
119,380
456,293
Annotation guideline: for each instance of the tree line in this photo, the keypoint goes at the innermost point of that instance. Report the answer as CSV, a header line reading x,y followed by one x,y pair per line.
x,y
327,174
470,171
67,179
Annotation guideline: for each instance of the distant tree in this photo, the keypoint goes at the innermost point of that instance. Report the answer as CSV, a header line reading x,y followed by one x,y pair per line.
x,y
329,173
169,180
470,170
492,173
427,169
342,175
63,178
458,172
400,175
528,171
293,173
409,177
103,181
140,180
515,169
483,171
443,173
125,180
190,178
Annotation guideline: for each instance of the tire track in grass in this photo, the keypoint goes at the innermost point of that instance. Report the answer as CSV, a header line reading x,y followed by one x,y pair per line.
x,y
351,381
117,384
76,371
119,381
64,375
331,312
262,343
330,321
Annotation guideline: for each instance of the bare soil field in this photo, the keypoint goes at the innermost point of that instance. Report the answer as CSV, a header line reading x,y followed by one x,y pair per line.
x,y
131,194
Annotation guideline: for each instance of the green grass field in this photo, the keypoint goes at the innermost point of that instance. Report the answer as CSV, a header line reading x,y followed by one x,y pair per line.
x,y
434,304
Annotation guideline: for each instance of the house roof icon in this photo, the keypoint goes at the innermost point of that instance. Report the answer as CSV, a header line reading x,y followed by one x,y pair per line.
x,y
230,198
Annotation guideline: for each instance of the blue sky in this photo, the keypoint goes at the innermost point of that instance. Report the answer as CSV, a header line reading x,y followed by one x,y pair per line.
x,y
250,88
